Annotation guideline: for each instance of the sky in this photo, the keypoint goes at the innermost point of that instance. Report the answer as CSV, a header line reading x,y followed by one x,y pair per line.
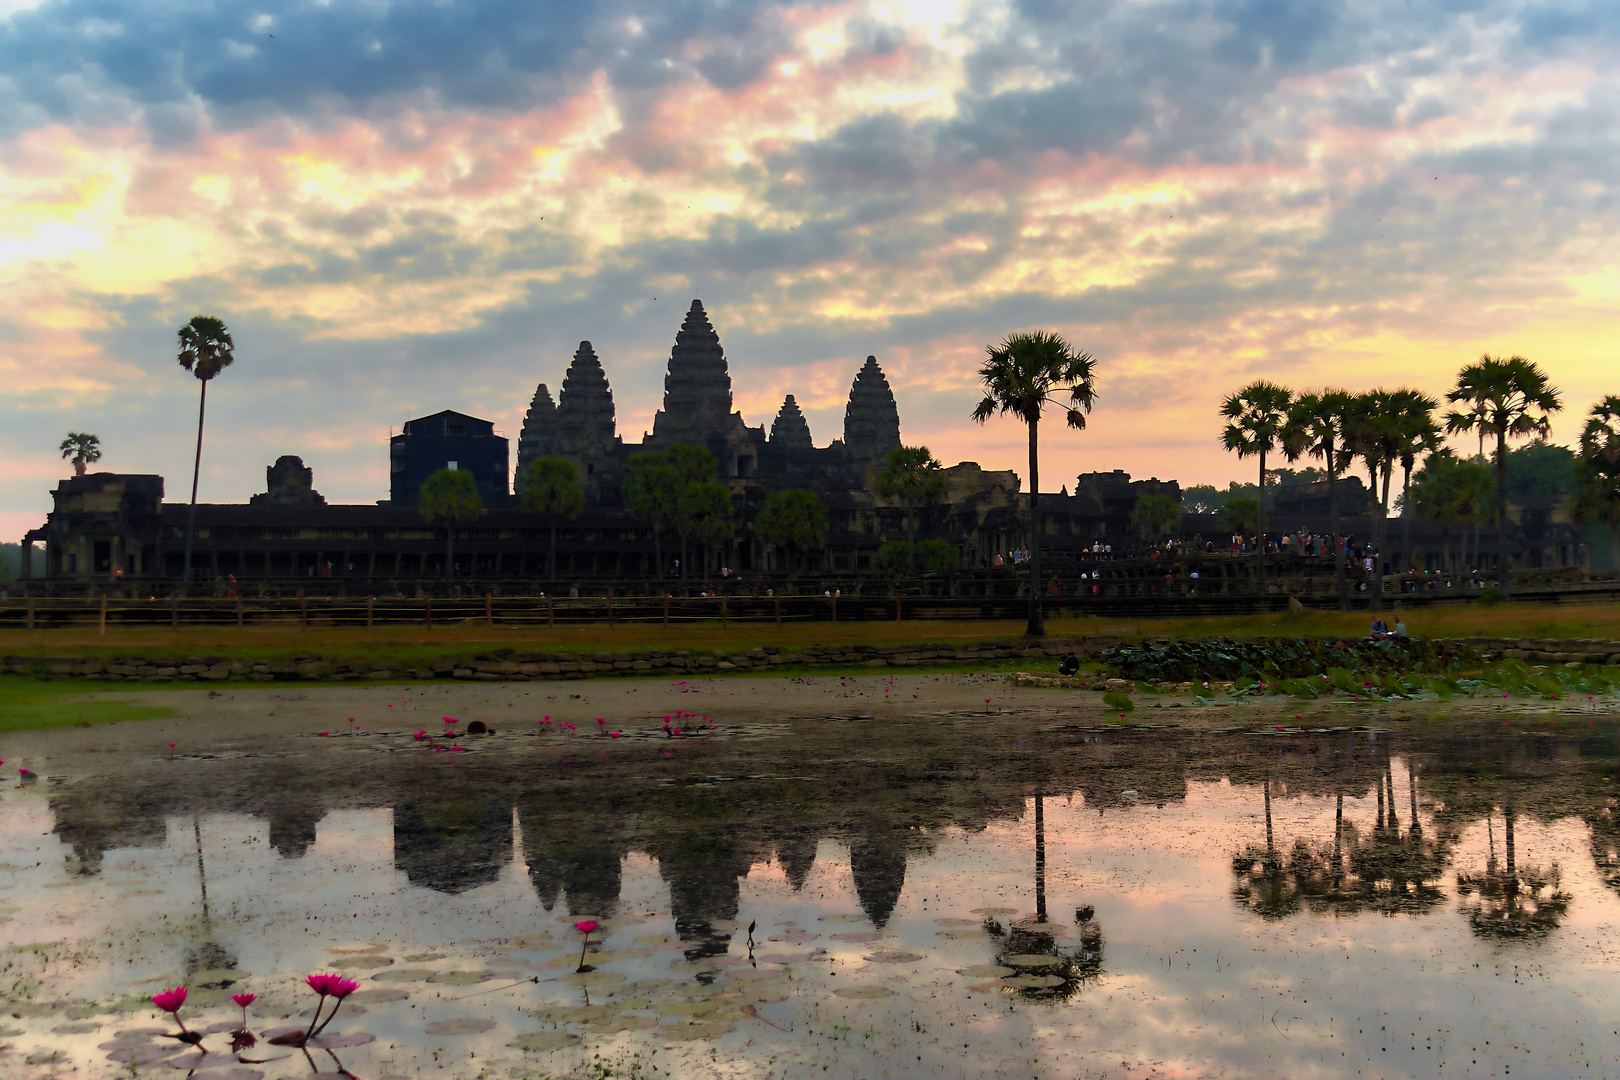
x,y
401,206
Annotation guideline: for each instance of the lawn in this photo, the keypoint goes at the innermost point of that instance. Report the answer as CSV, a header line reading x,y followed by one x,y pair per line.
x,y
27,704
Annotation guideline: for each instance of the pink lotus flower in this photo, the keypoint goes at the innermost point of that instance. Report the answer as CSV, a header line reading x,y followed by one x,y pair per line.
x,y
244,1000
450,720
342,988
587,926
170,1000
584,926
324,734
322,984
615,734
420,735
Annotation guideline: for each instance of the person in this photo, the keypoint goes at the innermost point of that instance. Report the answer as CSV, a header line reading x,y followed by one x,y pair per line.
x,y
1379,628
1400,627
1069,664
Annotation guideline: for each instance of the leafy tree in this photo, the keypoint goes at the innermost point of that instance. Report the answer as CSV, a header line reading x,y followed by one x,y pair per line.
x,y
1256,416
450,497
206,349
893,558
1372,434
551,486
936,555
1511,399
1450,491
1598,471
1021,376
1540,469
706,516
1315,428
652,492
1241,515
83,448
912,475
1155,516
794,519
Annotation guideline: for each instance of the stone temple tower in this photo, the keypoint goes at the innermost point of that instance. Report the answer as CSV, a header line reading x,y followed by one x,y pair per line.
x,y
791,431
585,432
871,420
539,436
697,389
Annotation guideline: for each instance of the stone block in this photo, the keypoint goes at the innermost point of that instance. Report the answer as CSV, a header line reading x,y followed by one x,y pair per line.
x,y
550,667
641,665
192,669
237,667
167,672
462,673
725,665
487,676
876,662
121,669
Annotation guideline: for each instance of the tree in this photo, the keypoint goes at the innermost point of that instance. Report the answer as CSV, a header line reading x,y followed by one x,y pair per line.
x,y
1598,470
893,558
450,497
1155,515
1450,491
912,475
1241,515
1022,375
936,555
551,486
1542,469
652,492
693,465
1416,433
1371,434
794,519
1256,416
1315,428
206,349
83,448
706,516
1512,399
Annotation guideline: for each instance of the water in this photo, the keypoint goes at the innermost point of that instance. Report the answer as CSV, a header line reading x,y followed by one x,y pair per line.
x,y
1409,899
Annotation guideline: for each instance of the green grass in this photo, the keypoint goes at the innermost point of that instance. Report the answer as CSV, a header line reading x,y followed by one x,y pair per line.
x,y
29,704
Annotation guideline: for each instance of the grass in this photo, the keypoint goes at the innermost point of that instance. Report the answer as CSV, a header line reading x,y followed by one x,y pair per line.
x,y
406,646
27,704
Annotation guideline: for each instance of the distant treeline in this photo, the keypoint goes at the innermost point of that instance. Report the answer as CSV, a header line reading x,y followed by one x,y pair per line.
x,y
11,561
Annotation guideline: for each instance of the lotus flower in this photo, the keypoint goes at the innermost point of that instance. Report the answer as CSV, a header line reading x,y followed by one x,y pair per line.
x,y
170,1000
342,988
586,927
244,1000
322,984
450,720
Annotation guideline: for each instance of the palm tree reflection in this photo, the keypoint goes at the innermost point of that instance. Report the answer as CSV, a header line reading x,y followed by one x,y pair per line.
x,y
1512,902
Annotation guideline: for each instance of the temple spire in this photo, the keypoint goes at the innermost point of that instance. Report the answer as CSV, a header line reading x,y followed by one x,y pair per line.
x,y
697,388
539,436
791,431
871,420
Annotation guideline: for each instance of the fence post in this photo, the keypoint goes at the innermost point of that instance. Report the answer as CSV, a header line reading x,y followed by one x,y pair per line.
x,y
897,606
609,599
303,610
174,612
430,613
102,628
723,622
30,614
666,607
489,610
239,612
551,613
776,602
835,608
371,605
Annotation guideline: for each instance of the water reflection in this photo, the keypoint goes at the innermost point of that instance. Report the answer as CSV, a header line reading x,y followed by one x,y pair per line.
x,y
896,862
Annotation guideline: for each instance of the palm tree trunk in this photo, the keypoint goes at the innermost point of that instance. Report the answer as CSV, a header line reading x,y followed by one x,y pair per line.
x,y
196,470
1382,530
1339,583
1501,514
1260,527
1375,601
1040,859
551,563
1037,620
1406,516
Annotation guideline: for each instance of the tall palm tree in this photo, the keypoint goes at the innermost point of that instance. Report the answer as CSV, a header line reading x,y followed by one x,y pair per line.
x,y
914,476
83,447
1022,375
1315,429
1256,417
450,497
1599,496
206,349
1416,433
550,486
1371,434
1512,399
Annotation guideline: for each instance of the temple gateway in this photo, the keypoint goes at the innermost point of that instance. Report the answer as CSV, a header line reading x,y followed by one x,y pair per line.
x,y
111,527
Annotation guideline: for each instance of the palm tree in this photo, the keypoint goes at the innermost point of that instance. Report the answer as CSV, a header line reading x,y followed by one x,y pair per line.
x,y
1024,374
794,519
1315,429
1371,434
1415,433
450,497
206,349
706,516
693,466
1598,497
550,486
1257,415
914,476
652,492
1511,398
83,448
1434,495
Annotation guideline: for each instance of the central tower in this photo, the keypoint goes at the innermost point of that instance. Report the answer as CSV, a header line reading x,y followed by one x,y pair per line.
x,y
697,389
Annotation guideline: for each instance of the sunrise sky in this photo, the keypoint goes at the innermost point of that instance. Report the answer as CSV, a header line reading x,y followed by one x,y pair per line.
x,y
400,207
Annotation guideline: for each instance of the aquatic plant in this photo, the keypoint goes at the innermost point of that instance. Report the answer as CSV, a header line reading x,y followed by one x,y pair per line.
x,y
586,927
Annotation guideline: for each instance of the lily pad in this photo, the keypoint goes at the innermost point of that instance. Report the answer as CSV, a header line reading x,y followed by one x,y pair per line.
x,y
348,1038
616,1024
684,1007
459,978
594,978
377,997
983,971
993,911
690,1032
843,917
859,936
961,935
864,993
894,958
532,941
368,962
542,1040
1034,960
404,975
1033,982
424,957
466,1026
357,950
571,1014
957,922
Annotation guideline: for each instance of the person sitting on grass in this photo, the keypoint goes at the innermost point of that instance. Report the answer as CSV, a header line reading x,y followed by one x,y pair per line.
x,y
1379,628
